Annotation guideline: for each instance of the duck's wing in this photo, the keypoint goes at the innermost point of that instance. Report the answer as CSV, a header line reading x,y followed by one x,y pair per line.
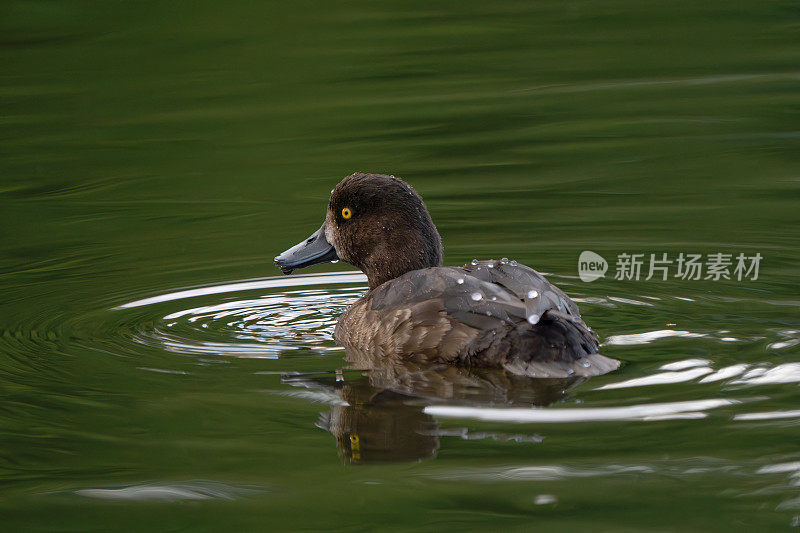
x,y
426,314
550,337
525,284
478,315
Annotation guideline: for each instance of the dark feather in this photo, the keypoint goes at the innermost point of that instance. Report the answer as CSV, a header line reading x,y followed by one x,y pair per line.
x,y
477,315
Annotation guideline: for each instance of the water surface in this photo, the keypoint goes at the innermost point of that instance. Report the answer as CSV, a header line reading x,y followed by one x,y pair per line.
x,y
156,374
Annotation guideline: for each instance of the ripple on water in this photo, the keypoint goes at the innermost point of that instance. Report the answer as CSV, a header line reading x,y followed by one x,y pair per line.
x,y
696,466
655,411
169,492
247,319
267,326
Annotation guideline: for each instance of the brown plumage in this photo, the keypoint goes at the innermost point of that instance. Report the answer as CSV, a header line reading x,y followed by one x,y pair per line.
x,y
487,314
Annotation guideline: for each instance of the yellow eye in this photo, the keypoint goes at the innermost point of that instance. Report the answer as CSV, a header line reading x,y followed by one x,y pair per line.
x,y
346,213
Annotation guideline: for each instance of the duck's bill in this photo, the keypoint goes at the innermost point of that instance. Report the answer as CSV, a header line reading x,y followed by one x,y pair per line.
x,y
315,249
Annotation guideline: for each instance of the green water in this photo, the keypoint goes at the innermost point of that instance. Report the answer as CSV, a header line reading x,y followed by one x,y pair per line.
x,y
150,147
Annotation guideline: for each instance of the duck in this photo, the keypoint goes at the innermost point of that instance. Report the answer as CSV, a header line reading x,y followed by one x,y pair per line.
x,y
485,314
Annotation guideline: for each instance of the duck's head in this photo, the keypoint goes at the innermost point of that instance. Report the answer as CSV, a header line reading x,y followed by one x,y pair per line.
x,y
375,222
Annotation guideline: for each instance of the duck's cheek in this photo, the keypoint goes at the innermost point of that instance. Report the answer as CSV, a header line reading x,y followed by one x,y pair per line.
x,y
331,237
348,251
331,229
344,253
330,234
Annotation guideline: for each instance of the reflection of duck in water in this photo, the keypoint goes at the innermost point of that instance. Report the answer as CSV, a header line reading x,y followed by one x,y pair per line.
x,y
378,426
381,416
488,314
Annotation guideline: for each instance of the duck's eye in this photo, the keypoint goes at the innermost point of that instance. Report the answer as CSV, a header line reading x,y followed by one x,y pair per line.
x,y
346,213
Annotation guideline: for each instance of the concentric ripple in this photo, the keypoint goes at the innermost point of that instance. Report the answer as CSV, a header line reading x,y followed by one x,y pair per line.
x,y
263,326
245,319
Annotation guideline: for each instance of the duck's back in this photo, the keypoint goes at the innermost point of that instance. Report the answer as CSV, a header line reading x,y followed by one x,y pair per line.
x,y
489,314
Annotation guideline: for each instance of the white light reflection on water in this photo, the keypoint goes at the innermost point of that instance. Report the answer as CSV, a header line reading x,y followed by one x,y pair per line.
x,y
265,327
168,492
628,301
785,373
316,396
553,472
646,412
792,468
691,369
648,337
543,472
264,283
770,415
725,373
684,364
661,378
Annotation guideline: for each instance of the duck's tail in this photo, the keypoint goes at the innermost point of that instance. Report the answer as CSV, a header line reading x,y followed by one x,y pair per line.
x,y
559,345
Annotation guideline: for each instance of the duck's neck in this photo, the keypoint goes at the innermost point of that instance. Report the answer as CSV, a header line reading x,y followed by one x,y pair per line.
x,y
394,257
